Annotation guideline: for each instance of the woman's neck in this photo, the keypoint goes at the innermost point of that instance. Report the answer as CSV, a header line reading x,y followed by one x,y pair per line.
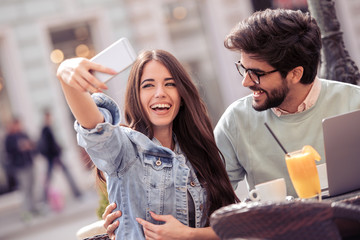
x,y
165,137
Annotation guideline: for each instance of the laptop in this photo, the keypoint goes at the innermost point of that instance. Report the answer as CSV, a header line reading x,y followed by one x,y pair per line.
x,y
342,152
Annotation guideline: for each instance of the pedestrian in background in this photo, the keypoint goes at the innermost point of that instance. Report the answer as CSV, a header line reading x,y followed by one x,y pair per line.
x,y
20,150
7,173
51,150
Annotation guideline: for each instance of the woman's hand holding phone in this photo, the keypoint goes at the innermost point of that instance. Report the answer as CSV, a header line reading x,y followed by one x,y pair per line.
x,y
90,75
76,72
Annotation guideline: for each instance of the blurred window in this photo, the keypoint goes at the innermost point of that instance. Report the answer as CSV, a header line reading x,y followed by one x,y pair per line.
x,y
71,41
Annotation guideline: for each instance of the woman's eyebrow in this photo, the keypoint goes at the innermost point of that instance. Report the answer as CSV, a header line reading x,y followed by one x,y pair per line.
x,y
147,80
152,80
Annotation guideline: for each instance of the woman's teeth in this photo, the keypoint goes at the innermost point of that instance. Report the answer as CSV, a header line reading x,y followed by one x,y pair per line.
x,y
160,106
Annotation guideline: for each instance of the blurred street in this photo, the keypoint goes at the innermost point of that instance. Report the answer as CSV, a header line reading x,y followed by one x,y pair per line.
x,y
48,224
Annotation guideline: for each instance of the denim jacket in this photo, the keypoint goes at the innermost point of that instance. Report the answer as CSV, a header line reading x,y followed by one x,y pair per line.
x,y
141,175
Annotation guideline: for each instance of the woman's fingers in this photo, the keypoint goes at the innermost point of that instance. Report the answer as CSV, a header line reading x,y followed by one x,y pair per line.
x,y
77,72
161,218
81,76
147,227
101,68
149,234
89,83
96,84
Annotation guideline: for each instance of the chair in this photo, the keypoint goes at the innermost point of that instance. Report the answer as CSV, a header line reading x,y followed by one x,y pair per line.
x,y
93,231
294,220
99,237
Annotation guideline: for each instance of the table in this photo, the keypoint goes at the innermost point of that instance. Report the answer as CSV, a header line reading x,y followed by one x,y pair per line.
x,y
334,218
350,196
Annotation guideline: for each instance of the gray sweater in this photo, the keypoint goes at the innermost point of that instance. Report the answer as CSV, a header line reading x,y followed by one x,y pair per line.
x,y
249,149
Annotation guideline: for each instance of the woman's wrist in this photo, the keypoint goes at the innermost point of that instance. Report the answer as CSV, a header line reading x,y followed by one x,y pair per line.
x,y
200,233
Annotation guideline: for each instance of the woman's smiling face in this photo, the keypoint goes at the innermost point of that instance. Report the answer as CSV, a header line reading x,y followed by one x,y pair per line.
x,y
159,96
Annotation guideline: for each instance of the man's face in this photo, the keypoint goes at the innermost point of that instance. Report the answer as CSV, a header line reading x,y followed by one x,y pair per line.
x,y
272,88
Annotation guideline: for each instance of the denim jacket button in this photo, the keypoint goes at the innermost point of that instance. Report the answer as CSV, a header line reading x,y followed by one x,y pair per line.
x,y
192,184
158,162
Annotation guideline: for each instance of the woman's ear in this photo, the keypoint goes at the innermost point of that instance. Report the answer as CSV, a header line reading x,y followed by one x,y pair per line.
x,y
295,75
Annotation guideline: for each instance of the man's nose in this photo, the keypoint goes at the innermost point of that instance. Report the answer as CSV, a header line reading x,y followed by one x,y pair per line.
x,y
247,82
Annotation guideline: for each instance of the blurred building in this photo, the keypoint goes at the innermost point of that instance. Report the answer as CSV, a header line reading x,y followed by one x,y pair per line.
x,y
36,35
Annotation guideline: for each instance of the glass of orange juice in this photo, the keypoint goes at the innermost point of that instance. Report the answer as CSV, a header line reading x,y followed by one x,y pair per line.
x,y
303,172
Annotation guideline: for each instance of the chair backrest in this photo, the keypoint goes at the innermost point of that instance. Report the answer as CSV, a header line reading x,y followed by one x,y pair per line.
x,y
98,237
285,220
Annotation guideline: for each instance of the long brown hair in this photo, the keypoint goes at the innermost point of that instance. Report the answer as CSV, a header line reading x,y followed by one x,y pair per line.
x,y
192,127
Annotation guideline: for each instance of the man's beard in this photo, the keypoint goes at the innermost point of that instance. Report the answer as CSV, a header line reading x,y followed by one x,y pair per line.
x,y
274,99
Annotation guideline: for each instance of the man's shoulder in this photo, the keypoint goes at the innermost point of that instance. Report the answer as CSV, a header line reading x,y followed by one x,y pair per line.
x,y
335,85
340,93
240,112
242,104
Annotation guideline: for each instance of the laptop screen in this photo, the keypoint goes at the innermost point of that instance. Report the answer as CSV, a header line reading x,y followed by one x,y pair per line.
x,y
342,152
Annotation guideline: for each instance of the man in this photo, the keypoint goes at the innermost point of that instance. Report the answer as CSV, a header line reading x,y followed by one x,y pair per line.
x,y
280,54
51,150
20,150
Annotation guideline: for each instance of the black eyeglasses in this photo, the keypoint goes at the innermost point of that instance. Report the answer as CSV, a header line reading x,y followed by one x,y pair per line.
x,y
254,74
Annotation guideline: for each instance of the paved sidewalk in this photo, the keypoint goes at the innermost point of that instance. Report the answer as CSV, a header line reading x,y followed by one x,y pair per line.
x,y
49,224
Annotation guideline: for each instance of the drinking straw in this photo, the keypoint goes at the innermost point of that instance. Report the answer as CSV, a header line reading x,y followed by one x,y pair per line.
x,y
277,140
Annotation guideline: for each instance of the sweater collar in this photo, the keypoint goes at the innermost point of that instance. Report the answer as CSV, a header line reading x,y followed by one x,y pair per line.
x,y
309,101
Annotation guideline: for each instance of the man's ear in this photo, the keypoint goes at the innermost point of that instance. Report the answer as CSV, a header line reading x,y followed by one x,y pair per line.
x,y
295,75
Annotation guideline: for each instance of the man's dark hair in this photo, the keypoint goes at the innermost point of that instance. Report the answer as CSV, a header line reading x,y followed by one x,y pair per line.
x,y
285,39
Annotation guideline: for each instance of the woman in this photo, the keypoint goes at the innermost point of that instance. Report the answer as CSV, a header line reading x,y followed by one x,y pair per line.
x,y
166,161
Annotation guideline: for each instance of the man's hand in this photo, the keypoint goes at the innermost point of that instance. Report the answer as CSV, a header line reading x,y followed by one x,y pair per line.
x,y
109,216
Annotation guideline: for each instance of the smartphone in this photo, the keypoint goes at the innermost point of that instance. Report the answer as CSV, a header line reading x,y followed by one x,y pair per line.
x,y
118,56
